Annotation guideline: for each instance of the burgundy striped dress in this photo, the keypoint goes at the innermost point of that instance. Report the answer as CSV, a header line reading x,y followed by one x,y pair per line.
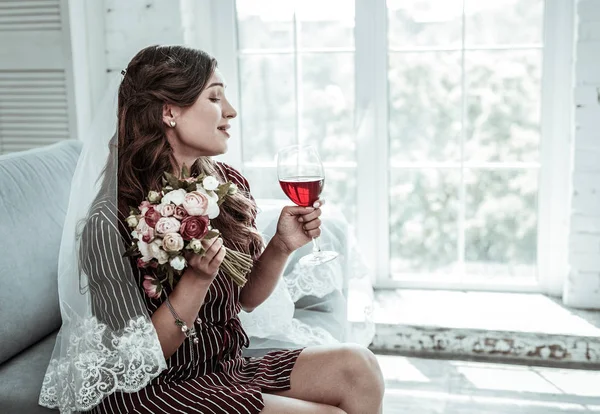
x,y
211,376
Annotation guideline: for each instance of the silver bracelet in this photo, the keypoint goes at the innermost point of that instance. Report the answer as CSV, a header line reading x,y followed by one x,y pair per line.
x,y
187,331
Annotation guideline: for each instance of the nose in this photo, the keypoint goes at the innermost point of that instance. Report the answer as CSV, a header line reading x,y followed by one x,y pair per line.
x,y
229,111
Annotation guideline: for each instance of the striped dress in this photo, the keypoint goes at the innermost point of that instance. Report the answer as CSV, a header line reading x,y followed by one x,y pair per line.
x,y
211,376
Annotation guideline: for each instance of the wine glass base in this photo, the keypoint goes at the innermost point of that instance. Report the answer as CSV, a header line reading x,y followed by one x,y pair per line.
x,y
316,259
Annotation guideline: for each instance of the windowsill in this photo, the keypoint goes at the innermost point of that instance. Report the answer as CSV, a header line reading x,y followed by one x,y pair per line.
x,y
514,312
499,327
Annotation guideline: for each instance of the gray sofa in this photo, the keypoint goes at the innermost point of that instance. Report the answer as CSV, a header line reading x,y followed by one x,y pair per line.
x,y
34,192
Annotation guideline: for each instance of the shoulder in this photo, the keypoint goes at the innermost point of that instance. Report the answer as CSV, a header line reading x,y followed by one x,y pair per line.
x,y
233,174
102,221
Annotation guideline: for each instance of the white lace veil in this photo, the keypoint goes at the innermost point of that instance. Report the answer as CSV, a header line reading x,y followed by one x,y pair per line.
x,y
107,341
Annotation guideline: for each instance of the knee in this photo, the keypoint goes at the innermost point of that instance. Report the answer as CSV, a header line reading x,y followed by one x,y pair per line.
x,y
361,369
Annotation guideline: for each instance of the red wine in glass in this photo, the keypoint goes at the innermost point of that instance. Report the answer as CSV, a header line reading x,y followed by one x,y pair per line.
x,y
303,191
301,176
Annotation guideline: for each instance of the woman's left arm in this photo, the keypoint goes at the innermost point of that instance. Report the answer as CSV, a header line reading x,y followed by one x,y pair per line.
x,y
297,226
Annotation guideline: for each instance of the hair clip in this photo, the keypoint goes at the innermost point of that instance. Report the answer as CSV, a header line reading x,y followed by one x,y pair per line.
x,y
123,72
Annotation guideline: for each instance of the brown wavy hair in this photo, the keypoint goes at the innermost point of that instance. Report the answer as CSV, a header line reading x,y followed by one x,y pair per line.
x,y
175,75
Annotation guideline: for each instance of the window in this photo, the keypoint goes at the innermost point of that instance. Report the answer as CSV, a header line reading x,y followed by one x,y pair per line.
x,y
434,106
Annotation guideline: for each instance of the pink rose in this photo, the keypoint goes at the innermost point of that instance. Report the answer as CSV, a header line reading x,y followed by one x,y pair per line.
x,y
152,216
194,227
144,231
167,225
148,236
172,242
168,210
180,213
141,263
195,203
152,287
144,207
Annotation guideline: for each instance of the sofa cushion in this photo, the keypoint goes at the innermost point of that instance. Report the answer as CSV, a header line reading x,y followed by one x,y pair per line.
x,y
34,193
22,378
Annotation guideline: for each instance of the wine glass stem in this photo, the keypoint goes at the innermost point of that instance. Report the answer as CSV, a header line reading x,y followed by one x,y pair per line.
x,y
316,245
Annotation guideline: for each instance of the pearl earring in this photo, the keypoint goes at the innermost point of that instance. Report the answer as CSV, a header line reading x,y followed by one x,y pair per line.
x,y
172,123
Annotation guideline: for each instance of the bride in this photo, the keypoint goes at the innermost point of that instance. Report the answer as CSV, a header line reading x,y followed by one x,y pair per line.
x,y
119,349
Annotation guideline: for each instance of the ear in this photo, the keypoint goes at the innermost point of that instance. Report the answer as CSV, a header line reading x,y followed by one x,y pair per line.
x,y
170,113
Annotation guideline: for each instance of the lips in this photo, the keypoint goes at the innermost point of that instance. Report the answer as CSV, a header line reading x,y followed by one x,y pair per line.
x,y
224,128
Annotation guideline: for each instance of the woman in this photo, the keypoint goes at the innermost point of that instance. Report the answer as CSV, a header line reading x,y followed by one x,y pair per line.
x,y
172,110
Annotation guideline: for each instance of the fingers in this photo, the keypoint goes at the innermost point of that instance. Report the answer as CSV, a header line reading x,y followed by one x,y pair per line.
x,y
311,225
313,233
218,258
310,216
212,248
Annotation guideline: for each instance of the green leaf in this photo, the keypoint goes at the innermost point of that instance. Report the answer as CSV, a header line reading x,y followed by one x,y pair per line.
x,y
212,234
172,180
191,187
185,171
131,251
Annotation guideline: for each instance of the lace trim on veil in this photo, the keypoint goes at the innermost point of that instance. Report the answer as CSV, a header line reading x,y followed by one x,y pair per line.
x,y
133,359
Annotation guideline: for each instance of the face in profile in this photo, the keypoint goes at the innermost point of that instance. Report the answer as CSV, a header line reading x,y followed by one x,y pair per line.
x,y
202,129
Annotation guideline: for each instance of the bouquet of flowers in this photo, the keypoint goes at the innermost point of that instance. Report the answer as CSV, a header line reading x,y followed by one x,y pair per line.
x,y
176,219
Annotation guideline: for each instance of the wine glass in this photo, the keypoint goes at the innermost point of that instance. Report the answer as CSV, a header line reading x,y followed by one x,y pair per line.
x,y
301,176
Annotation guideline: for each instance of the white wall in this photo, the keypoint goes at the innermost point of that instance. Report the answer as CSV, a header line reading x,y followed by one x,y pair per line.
x,y
582,288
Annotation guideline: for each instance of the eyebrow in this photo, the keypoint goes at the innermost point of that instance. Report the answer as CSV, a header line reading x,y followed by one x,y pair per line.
x,y
216,84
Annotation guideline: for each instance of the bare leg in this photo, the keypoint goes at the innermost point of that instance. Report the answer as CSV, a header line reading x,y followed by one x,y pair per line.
x,y
345,376
276,404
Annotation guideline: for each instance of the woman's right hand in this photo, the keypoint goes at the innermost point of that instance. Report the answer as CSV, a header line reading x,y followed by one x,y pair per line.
x,y
206,267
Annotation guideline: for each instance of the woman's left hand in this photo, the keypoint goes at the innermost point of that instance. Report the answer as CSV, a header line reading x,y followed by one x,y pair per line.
x,y
297,226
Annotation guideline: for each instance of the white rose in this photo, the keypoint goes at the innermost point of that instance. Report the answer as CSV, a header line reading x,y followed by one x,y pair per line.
x,y
210,194
210,183
213,209
176,197
154,196
233,189
157,252
144,249
196,245
178,263
132,221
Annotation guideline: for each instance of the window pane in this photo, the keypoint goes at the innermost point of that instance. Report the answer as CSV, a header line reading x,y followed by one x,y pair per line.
x,y
339,189
423,220
501,222
265,24
503,21
425,106
504,94
325,23
267,104
327,109
414,23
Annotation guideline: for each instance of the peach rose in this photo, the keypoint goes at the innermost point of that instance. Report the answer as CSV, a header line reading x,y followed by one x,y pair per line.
x,y
195,203
172,242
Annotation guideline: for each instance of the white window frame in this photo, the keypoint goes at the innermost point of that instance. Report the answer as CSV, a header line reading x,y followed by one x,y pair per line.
x,y
371,120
